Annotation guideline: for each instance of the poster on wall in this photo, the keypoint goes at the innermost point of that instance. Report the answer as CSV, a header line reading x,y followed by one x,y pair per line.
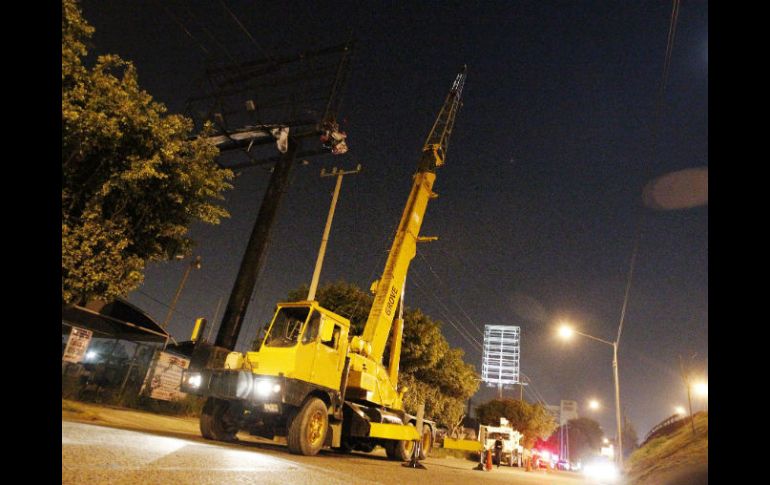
x,y
164,378
76,345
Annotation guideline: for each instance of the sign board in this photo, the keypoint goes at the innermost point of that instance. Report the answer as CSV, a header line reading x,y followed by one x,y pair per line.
x,y
608,451
568,411
77,344
164,378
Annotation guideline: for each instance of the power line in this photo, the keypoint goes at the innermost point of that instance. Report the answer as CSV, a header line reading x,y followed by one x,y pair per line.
x,y
471,271
245,31
531,387
444,312
475,344
454,298
666,69
184,29
210,35
164,304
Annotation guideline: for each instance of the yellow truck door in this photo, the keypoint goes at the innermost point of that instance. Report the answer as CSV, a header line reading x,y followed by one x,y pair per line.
x,y
329,357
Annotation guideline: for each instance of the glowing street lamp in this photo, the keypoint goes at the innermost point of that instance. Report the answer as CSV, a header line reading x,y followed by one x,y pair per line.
x,y
566,332
680,410
593,404
701,389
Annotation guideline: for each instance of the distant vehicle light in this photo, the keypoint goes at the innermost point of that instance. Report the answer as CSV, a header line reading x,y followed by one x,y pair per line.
x,y
601,470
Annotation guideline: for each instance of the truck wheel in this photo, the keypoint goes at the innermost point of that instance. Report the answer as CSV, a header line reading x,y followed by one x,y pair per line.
x,y
365,447
219,419
399,450
427,442
307,431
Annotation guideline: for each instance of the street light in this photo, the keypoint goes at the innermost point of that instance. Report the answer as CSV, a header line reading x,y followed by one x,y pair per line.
x,y
680,410
566,332
593,404
195,263
701,389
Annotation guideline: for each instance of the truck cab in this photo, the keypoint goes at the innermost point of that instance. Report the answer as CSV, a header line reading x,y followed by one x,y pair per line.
x,y
304,342
302,356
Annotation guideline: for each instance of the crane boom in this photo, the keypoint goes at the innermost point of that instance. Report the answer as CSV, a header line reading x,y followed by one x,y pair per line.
x,y
390,286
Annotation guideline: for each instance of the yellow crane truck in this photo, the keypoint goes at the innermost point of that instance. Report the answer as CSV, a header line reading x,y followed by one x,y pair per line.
x,y
312,382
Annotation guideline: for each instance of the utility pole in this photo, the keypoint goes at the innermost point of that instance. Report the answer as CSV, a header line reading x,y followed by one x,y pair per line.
x,y
252,261
322,250
286,86
521,390
196,263
617,401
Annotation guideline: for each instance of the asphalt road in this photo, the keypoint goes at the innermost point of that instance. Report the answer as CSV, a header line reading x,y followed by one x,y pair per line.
x,y
93,454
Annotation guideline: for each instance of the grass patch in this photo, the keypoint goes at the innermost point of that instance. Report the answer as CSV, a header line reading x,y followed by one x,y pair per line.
x,y
70,407
447,452
75,410
679,449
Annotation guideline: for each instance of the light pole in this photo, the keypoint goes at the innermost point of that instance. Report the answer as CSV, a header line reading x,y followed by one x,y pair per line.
x,y
565,332
325,238
700,388
196,263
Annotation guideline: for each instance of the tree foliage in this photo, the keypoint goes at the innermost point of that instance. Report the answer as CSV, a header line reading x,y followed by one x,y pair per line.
x,y
532,420
434,372
133,179
584,438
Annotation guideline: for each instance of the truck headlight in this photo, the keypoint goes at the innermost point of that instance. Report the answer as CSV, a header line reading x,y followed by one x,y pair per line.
x,y
265,388
194,380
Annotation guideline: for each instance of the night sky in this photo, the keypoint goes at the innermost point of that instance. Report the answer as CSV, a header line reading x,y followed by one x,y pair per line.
x,y
540,198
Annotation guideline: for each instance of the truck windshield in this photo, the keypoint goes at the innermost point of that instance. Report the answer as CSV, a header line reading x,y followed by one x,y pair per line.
x,y
502,436
286,327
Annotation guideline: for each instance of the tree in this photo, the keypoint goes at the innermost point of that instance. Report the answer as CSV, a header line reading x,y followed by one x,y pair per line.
x,y
584,438
532,420
433,372
133,179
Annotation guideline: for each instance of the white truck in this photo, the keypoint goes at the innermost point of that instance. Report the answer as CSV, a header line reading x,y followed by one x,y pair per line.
x,y
512,449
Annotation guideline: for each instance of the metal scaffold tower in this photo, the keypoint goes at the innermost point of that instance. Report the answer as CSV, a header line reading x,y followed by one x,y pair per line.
x,y
500,361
